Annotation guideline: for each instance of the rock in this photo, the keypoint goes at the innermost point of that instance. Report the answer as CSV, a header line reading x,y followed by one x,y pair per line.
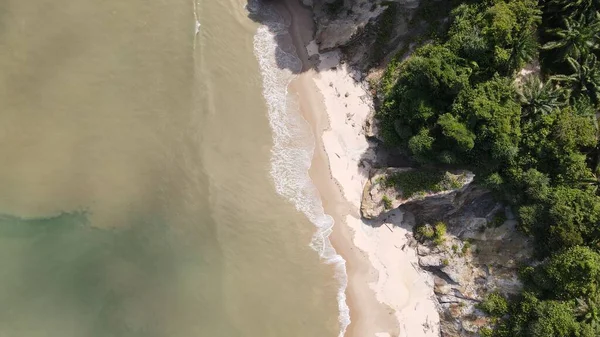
x,y
372,204
488,262
423,250
430,261
457,272
375,193
475,257
354,26
441,287
371,128
339,20
474,325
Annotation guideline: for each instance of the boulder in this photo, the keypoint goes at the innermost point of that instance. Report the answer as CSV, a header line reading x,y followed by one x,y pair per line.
x,y
376,194
479,255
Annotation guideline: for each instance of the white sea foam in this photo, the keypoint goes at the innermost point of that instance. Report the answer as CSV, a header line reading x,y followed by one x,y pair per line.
x,y
293,146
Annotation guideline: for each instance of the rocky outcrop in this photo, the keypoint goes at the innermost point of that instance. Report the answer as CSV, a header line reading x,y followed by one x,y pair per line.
x,y
481,254
339,20
482,248
374,192
379,197
354,26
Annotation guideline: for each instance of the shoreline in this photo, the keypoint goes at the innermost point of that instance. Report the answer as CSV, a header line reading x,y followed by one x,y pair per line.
x,y
387,295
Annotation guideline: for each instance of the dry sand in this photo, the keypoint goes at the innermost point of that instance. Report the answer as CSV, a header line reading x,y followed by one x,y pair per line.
x,y
387,293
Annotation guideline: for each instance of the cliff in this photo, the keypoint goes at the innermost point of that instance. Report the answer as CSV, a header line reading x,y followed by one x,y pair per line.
x,y
479,254
481,250
366,30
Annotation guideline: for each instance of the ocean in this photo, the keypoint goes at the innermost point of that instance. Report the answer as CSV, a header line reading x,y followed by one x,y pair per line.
x,y
154,178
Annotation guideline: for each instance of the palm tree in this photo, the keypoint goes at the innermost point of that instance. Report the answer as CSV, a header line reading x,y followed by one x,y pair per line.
x,y
524,50
585,79
588,310
538,98
576,39
574,7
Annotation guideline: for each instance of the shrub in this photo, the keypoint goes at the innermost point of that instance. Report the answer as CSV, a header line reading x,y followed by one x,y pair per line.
x,y
498,219
439,233
425,232
387,202
440,229
494,305
570,274
420,182
486,332
466,246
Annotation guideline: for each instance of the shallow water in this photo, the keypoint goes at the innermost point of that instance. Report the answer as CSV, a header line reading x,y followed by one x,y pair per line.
x,y
137,188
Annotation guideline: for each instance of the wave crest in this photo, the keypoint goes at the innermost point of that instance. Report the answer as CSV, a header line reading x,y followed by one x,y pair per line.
x,y
293,142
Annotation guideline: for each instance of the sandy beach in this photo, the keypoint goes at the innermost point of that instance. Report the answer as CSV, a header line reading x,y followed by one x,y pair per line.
x,y
387,293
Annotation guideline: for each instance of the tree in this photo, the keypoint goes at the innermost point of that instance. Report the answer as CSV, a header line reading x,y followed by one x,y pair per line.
x,y
524,49
576,39
426,87
493,115
574,273
497,38
587,310
573,217
538,97
553,318
585,79
421,145
456,132
574,8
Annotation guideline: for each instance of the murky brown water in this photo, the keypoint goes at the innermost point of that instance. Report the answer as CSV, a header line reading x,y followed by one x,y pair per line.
x,y
135,186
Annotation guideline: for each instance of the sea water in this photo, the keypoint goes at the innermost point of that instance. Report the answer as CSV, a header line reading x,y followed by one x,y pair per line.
x,y
147,188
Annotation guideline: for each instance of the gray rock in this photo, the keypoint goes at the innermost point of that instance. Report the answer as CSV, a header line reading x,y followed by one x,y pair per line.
x,y
430,261
372,205
423,250
489,262
374,192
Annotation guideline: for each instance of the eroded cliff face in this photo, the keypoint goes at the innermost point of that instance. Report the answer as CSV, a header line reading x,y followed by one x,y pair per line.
x,y
480,253
482,249
366,30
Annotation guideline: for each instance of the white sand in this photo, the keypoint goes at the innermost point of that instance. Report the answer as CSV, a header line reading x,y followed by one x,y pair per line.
x,y
397,282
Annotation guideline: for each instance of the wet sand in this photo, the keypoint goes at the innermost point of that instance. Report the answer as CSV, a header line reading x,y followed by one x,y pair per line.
x,y
388,295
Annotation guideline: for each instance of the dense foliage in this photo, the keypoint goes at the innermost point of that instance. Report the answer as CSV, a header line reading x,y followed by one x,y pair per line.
x,y
474,99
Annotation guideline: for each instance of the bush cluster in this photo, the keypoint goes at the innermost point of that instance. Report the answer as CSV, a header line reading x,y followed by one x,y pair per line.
x,y
462,101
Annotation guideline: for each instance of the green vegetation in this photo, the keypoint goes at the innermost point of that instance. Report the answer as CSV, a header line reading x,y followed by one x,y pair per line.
x,y
387,202
466,247
436,233
425,232
498,219
417,182
460,101
440,233
494,305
